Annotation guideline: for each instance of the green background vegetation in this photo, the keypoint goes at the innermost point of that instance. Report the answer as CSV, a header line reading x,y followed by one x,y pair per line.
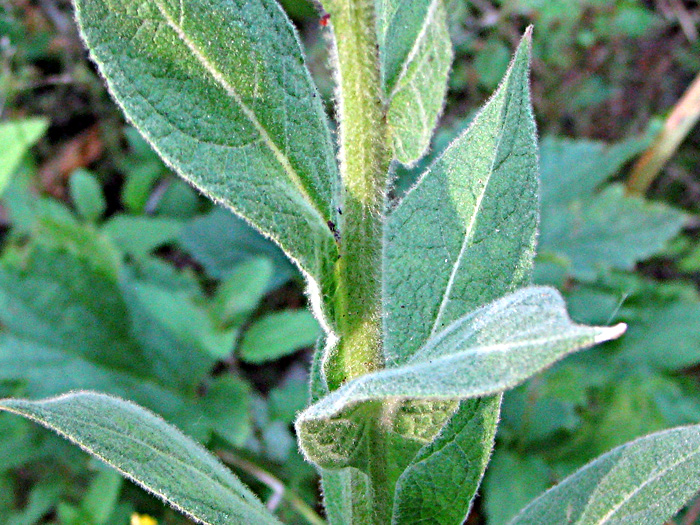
x,y
117,276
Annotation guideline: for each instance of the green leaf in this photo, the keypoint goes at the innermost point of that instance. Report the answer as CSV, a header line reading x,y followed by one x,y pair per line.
x,y
149,452
573,168
285,401
65,327
86,194
486,352
440,467
277,335
40,500
492,61
227,402
437,239
220,241
220,90
57,301
465,234
61,232
16,137
139,235
344,496
17,445
514,479
51,224
186,320
102,496
416,54
608,230
242,291
665,336
590,230
178,200
643,482
279,441
50,370
180,362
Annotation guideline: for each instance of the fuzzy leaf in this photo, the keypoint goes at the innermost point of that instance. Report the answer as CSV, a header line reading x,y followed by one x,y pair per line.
x,y
644,482
344,496
486,352
465,234
147,450
424,234
416,54
452,464
220,90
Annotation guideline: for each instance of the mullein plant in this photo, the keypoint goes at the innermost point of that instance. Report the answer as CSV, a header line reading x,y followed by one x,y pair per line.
x,y
426,307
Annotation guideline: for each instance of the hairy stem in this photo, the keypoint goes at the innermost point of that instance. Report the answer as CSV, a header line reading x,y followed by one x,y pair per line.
x,y
364,159
364,162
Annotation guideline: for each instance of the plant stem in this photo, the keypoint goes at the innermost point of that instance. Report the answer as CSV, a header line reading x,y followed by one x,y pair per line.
x,y
364,161
280,491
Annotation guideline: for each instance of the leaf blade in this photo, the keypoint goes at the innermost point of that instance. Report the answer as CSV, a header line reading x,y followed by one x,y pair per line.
x,y
16,138
484,353
229,107
608,230
646,481
458,170
170,465
416,54
466,439
278,334
448,276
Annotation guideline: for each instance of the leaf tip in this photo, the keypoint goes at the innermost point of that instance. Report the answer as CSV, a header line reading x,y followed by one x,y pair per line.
x,y
526,40
610,333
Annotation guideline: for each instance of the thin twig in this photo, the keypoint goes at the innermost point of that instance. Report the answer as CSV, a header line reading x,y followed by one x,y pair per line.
x,y
679,123
279,490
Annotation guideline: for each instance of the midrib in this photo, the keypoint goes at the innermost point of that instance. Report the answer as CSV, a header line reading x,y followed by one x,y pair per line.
x,y
250,115
627,497
468,234
427,21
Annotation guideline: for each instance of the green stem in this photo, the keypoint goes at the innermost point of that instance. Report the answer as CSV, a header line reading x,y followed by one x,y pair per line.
x,y
364,161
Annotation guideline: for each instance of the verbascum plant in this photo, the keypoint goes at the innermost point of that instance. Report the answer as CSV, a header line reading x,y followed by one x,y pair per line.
x,y
426,305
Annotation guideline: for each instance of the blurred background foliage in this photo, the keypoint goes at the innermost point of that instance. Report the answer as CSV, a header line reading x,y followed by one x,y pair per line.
x,y
116,276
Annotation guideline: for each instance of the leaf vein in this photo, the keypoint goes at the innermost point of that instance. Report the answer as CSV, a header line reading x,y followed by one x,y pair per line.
x,y
247,111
